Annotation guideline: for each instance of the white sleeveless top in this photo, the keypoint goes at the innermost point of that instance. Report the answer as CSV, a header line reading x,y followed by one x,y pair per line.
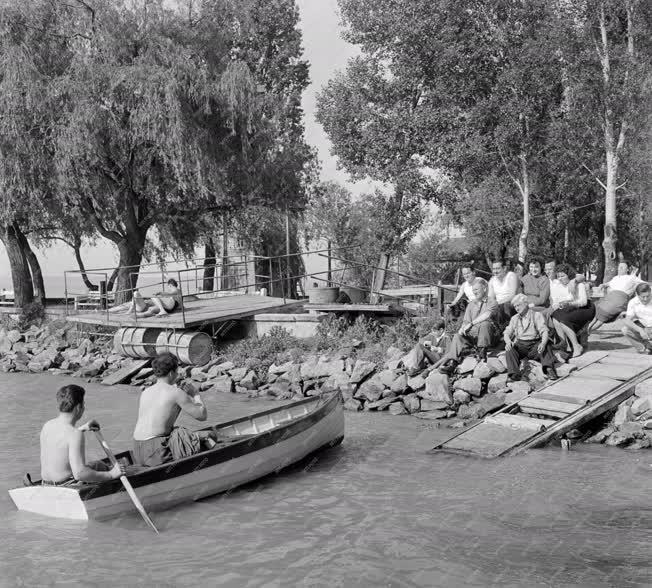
x,y
559,292
506,290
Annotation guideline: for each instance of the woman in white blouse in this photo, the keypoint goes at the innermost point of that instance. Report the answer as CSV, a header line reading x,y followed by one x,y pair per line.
x,y
614,302
571,308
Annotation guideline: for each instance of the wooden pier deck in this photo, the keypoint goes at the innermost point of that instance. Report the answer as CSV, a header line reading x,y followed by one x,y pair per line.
x,y
603,380
197,313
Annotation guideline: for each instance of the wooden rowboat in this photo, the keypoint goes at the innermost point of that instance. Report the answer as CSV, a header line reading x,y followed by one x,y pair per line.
x,y
254,446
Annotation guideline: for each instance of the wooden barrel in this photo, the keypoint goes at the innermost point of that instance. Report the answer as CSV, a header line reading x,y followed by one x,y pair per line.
x,y
190,347
322,295
355,294
136,342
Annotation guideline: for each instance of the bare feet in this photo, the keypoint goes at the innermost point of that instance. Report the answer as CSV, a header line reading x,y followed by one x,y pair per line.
x,y
577,351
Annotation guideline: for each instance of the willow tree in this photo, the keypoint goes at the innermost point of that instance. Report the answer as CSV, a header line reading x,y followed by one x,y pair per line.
x,y
144,124
31,56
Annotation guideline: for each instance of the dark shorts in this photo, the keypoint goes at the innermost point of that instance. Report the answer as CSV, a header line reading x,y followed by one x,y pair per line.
x,y
180,443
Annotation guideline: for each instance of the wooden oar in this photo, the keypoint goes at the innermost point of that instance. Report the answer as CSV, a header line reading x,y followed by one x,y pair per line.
x,y
125,482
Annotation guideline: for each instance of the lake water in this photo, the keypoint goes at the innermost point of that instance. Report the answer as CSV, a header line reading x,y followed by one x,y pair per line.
x,y
377,511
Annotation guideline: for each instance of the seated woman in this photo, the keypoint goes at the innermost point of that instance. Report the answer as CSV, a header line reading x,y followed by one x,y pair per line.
x,y
571,310
621,289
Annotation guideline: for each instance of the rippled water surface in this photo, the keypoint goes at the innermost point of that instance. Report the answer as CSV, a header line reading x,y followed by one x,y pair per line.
x,y
377,511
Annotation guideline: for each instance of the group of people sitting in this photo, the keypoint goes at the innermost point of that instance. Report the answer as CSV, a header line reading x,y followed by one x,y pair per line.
x,y
546,315
156,439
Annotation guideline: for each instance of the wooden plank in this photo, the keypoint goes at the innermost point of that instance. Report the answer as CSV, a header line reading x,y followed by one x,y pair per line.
x,y
584,414
486,440
587,358
615,372
531,402
576,385
552,395
546,413
627,359
519,421
125,372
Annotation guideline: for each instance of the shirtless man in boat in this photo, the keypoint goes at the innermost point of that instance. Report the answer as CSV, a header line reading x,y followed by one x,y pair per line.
x,y
156,439
63,455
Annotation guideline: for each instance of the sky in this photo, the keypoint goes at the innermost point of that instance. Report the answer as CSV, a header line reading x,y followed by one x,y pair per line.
x,y
326,52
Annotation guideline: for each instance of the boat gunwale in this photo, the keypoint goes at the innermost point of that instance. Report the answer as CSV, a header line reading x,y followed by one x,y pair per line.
x,y
217,455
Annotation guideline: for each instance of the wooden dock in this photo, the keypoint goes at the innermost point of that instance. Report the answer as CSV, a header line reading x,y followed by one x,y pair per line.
x,y
196,313
603,380
359,308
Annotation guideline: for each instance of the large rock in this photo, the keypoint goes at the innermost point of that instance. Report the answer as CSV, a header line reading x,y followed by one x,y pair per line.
x,y
36,366
623,414
431,415
461,397
498,382
397,408
493,401
647,424
469,384
361,370
250,381
293,375
314,368
369,391
238,373
224,384
15,336
643,443
336,381
644,388
428,405
520,387
386,377
280,369
468,365
496,365
412,403
634,429
471,411
483,371
601,436
352,404
437,388
198,375
641,405
381,404
416,382
400,384
393,353
5,344
619,439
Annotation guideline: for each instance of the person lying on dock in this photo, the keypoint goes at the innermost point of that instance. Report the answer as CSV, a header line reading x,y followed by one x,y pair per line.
x,y
638,319
161,304
63,455
156,439
526,336
478,328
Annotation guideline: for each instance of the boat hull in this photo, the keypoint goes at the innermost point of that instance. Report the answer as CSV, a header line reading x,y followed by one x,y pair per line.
x,y
203,475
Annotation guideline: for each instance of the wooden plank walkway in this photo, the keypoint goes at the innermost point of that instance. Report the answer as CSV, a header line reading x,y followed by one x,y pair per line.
x,y
206,311
392,309
602,381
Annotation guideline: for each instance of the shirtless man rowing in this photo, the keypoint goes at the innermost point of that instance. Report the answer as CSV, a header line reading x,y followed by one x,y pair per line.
x,y
63,454
156,439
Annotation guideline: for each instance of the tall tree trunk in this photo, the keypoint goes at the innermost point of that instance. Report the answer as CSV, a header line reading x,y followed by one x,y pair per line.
x,y
112,279
525,194
131,254
599,272
21,276
610,240
209,265
35,267
566,242
76,247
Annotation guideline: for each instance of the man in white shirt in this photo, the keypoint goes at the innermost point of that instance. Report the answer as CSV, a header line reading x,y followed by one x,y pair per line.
x,y
464,295
638,319
503,286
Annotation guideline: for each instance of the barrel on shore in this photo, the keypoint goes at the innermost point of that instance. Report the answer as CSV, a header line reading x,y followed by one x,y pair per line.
x,y
190,347
322,295
136,342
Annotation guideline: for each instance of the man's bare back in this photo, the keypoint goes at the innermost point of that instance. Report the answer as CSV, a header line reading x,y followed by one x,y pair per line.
x,y
56,440
158,409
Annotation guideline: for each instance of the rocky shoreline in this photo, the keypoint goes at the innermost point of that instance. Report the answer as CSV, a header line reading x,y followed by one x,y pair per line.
x,y
477,388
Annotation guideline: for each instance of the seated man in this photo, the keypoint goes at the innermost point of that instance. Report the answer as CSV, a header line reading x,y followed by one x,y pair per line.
x,y
156,440
478,328
429,349
63,454
464,295
526,336
536,287
503,286
638,319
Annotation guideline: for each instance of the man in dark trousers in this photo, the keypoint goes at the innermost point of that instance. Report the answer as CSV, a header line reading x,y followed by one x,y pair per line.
x,y
526,336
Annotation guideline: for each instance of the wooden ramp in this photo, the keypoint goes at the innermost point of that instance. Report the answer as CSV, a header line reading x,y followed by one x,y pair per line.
x,y
196,313
601,382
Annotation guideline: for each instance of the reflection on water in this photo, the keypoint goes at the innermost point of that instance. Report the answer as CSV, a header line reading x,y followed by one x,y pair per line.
x,y
377,511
